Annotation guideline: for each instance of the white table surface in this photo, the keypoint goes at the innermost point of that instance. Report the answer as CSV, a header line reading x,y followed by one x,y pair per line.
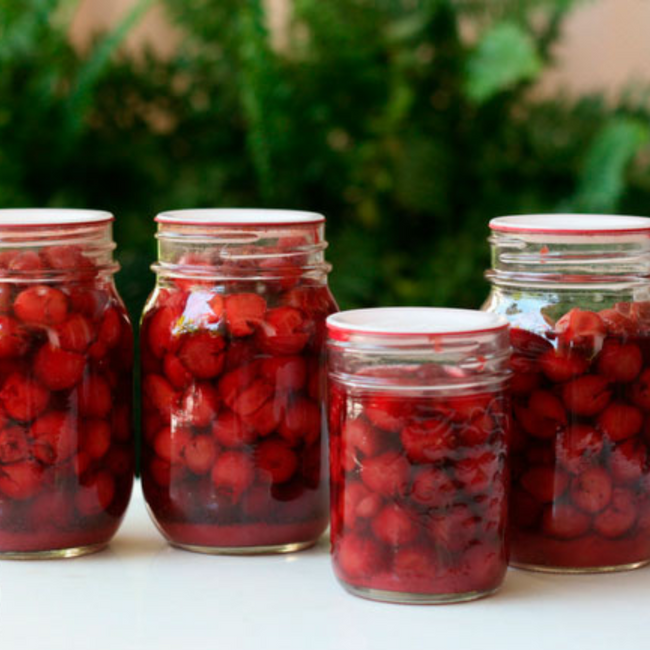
x,y
141,594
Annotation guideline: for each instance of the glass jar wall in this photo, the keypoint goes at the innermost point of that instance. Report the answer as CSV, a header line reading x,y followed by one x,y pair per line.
x,y
575,289
419,417
233,375
66,359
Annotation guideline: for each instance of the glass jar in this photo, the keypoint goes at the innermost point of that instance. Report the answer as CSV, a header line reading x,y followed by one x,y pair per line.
x,y
233,376
419,415
575,289
66,361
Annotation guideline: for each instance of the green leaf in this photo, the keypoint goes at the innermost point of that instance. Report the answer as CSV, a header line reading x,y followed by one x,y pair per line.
x,y
602,181
505,56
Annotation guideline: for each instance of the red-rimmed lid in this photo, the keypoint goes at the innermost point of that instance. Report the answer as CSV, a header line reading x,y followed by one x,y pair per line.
x,y
48,217
571,224
239,217
413,321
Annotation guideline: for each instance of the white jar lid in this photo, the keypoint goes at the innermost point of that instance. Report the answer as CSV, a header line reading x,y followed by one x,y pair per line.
x,y
571,224
239,217
19,217
415,321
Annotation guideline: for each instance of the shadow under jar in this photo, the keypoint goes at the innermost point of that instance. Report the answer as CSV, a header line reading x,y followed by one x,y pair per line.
x,y
419,416
66,361
233,375
575,289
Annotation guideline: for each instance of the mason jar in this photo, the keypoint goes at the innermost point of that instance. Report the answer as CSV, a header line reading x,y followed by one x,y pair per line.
x,y
233,374
576,291
66,360
419,420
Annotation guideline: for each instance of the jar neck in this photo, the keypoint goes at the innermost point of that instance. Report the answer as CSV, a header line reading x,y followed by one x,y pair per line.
x,y
242,252
618,262
431,364
57,252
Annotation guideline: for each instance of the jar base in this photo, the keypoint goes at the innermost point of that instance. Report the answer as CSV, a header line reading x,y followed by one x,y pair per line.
x,y
56,554
399,598
617,568
276,549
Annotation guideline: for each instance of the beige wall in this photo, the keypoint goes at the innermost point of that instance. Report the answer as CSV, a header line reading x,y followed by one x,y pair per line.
x,y
607,42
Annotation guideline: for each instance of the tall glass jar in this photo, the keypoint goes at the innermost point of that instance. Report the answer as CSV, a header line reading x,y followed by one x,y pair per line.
x,y
233,374
576,291
66,360
419,416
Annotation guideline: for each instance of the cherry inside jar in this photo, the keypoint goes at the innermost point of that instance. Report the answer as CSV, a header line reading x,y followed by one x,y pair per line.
x,y
575,289
66,360
419,419
233,378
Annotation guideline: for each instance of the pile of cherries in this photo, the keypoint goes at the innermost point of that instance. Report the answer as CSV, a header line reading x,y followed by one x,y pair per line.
x,y
581,471
232,382
419,490
66,359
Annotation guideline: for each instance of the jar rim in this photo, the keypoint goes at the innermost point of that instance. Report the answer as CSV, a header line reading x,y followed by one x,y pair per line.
x,y
415,321
30,217
571,224
238,217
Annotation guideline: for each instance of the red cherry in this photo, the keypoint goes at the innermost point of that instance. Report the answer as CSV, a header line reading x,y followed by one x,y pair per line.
x,y
175,371
233,473
454,529
200,404
110,330
230,431
468,407
26,261
361,436
640,390
482,568
563,521
416,563
285,373
617,323
58,369
591,491
95,494
533,425
561,366
428,441
586,395
122,423
477,474
580,327
524,383
527,343
252,397
14,445
619,517
169,444
55,437
119,461
160,471
162,334
385,412
277,459
96,438
433,488
283,331
202,354
244,313
386,474
41,305
620,362
620,421
63,257
23,399
357,557
76,334
627,461
579,446
267,418
544,404
13,338
301,422
395,526
21,481
358,503
199,454
545,483
233,382
161,394
95,397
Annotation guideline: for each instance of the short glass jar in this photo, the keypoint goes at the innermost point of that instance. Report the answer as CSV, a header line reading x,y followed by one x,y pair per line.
x,y
419,416
576,291
233,379
66,361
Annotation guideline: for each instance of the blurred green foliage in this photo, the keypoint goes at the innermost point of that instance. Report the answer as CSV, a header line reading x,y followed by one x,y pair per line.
x,y
409,123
